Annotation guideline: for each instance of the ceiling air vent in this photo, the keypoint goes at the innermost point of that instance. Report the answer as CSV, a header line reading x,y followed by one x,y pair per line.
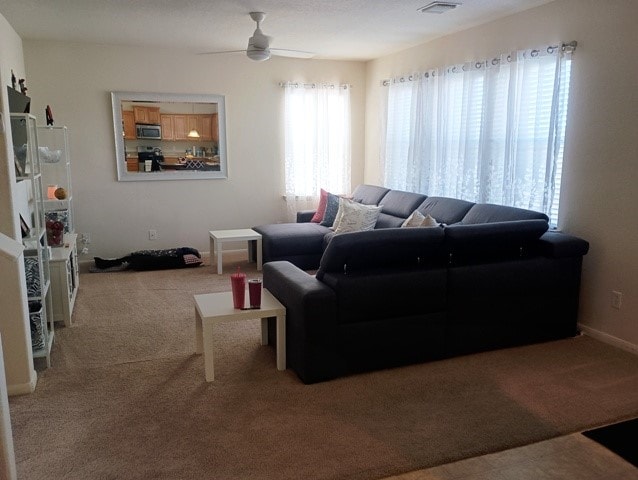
x,y
438,7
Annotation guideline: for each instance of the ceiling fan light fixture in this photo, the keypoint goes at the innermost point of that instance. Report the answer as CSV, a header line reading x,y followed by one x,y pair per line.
x,y
259,49
258,55
438,7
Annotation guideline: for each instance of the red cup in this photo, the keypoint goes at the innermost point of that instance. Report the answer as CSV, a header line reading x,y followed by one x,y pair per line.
x,y
254,292
238,286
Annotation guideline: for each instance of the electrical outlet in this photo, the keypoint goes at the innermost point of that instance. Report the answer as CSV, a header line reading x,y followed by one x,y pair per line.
x,y
152,234
86,238
616,299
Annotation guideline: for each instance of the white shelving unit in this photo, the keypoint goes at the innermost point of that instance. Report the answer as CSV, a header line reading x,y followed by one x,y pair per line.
x,y
37,253
55,161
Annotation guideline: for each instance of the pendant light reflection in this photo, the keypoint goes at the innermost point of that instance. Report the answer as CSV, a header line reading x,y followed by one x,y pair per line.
x,y
193,133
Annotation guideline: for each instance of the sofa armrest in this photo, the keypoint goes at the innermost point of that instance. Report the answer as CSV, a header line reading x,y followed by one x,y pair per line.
x,y
560,245
311,321
305,216
296,289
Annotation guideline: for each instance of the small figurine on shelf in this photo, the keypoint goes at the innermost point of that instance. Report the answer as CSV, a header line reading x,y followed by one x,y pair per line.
x,y
13,80
23,87
49,116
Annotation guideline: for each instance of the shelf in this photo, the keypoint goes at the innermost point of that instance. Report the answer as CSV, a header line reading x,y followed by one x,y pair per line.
x,y
50,205
56,172
62,254
33,243
41,297
46,351
30,204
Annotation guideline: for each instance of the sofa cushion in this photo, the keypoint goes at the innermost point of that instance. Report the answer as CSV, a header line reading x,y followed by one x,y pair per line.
x,y
388,293
369,194
321,208
355,217
477,242
487,212
280,240
389,221
397,206
394,247
332,207
444,209
401,204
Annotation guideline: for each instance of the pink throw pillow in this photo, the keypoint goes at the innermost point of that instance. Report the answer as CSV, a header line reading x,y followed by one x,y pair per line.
x,y
321,209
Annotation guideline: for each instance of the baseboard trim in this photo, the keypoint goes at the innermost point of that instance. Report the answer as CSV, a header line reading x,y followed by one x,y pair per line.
x,y
610,339
23,388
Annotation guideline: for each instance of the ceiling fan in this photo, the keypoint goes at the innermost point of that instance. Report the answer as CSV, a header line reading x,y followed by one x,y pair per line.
x,y
259,45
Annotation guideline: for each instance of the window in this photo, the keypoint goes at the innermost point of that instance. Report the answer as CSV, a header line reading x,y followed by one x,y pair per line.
x,y
317,142
489,131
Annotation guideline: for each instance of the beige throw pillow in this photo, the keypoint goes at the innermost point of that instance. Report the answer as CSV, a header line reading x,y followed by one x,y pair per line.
x,y
355,217
417,219
414,220
428,221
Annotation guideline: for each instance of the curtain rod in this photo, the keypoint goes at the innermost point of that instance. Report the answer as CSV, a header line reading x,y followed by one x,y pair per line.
x,y
565,47
313,85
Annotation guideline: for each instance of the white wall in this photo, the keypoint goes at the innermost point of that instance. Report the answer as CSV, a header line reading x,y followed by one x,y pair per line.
x,y
76,81
599,191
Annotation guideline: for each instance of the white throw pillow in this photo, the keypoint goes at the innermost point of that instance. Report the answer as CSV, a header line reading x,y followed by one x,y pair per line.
x,y
416,219
339,214
428,221
355,217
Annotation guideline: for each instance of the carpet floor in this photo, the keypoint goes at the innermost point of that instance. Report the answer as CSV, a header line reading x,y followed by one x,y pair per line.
x,y
125,397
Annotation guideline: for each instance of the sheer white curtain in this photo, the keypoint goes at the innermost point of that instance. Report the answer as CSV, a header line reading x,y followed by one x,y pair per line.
x,y
489,131
317,143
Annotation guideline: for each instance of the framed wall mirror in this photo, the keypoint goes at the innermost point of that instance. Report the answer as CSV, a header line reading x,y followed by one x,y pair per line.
x,y
165,136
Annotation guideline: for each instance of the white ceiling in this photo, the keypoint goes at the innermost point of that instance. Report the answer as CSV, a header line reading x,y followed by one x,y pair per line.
x,y
333,29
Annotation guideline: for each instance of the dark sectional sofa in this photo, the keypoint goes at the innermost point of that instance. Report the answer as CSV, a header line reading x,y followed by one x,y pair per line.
x,y
490,277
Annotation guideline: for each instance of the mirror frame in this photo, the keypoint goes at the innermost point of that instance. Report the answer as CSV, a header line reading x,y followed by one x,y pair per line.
x,y
124,176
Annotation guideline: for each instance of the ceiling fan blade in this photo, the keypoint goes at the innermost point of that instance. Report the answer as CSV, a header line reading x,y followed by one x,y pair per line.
x,y
225,51
259,45
286,52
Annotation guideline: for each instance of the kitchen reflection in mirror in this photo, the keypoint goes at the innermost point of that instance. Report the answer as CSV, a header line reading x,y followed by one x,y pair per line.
x,y
163,136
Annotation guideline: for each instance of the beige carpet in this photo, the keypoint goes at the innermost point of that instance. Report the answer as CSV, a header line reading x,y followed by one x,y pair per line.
x,y
126,398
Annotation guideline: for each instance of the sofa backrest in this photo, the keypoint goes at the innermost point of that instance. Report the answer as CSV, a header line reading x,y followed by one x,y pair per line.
x,y
369,194
397,206
487,212
476,243
445,210
373,249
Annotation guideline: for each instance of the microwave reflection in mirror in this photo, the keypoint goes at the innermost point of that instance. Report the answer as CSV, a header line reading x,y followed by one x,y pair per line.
x,y
148,132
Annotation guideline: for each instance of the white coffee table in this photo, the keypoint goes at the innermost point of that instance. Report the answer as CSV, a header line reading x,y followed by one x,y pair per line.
x,y
218,237
214,308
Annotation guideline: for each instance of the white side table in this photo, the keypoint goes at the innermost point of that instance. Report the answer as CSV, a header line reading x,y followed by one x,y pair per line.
x,y
218,237
65,278
214,308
